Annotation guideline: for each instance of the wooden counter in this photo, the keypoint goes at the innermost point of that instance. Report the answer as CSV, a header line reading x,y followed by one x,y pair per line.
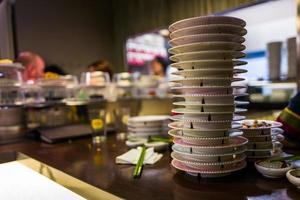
x,y
160,181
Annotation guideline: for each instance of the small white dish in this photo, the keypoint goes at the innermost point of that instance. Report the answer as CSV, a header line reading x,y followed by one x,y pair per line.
x,y
208,64
206,38
293,176
210,29
270,172
207,55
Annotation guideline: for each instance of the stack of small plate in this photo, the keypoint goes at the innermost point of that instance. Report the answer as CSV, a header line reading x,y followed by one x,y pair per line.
x,y
207,141
148,125
264,138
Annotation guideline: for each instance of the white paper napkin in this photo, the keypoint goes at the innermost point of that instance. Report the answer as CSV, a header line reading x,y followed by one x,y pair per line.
x,y
132,156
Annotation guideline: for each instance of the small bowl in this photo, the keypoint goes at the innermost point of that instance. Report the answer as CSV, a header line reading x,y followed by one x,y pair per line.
x,y
272,172
293,176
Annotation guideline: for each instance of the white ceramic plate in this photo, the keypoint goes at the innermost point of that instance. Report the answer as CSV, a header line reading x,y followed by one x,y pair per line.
x,y
145,129
204,20
200,133
209,110
189,106
236,145
199,104
206,125
207,55
207,64
210,29
208,117
206,81
258,154
148,120
210,90
202,141
179,125
206,38
209,99
233,142
207,46
213,72
263,146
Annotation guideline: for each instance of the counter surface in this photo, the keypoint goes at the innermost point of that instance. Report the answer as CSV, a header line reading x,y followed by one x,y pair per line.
x,y
160,181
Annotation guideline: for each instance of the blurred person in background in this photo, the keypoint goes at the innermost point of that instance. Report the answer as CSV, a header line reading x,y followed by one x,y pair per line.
x,y
54,71
101,65
34,66
159,66
290,119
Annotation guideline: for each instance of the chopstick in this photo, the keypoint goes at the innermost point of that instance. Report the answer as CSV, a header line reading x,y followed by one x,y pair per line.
x,y
139,165
159,139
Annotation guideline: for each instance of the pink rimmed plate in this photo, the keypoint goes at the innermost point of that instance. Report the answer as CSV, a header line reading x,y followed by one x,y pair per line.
x,y
200,134
200,162
194,171
183,118
203,141
233,142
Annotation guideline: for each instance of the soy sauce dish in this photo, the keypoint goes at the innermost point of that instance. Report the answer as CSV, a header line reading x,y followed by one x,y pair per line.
x,y
275,169
293,176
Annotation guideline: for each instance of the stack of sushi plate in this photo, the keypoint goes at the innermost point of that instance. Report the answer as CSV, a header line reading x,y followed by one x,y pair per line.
x,y
205,50
264,138
148,125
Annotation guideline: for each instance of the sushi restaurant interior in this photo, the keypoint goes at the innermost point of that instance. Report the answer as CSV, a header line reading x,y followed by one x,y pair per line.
x,y
160,99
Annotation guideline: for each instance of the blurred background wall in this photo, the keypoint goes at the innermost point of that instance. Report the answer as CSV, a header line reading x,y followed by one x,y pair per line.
x,y
74,33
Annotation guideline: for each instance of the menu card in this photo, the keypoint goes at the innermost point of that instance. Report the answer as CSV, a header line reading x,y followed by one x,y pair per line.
x,y
20,182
